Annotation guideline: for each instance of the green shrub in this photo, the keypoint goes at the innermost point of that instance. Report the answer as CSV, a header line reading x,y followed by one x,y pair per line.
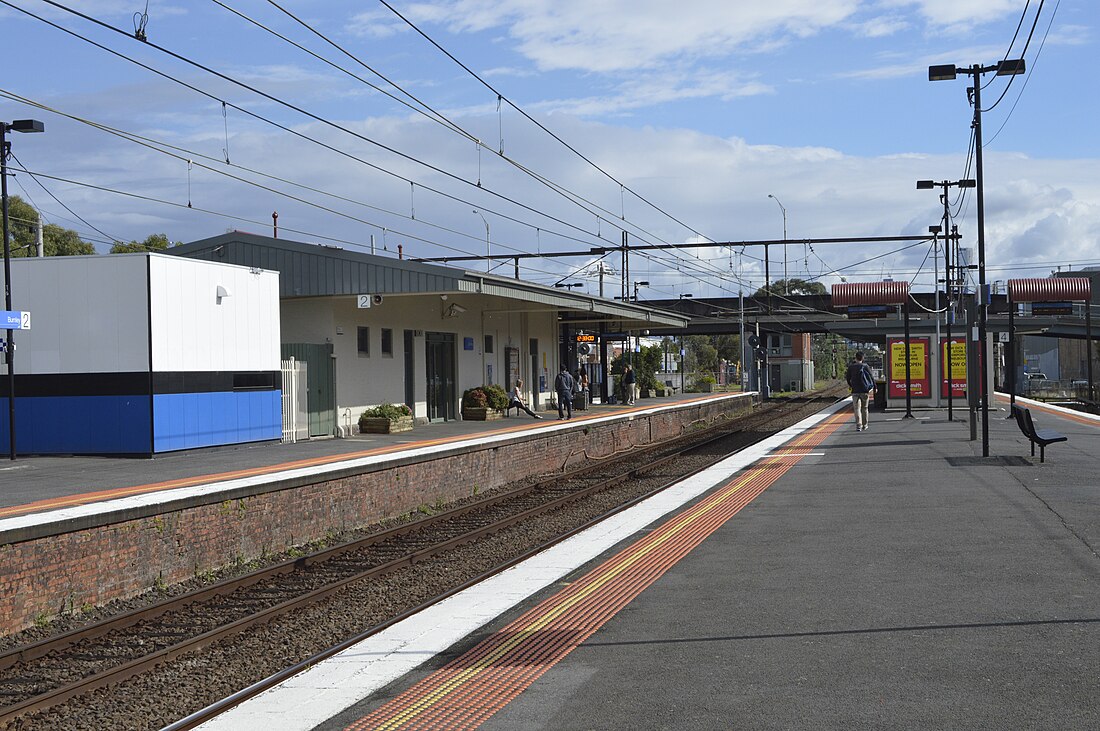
x,y
387,411
498,397
480,397
475,398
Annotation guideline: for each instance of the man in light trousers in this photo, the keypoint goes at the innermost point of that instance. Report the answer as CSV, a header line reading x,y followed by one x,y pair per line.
x,y
862,383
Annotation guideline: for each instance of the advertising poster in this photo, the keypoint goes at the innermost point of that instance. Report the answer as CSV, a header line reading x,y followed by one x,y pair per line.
x,y
957,352
918,367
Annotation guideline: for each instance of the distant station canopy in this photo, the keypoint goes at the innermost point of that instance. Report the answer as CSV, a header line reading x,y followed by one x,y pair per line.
x,y
847,294
1051,289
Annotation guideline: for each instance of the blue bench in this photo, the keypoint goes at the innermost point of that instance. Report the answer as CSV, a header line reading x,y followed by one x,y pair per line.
x,y
1042,437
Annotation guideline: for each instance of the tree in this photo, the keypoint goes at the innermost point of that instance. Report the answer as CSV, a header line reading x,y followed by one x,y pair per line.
x,y
782,287
153,242
56,240
701,353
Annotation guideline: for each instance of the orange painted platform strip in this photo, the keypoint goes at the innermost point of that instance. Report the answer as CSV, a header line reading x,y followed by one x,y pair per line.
x,y
69,501
473,687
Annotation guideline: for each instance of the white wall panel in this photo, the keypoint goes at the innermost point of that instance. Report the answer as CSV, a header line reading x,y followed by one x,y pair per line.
x,y
194,331
88,314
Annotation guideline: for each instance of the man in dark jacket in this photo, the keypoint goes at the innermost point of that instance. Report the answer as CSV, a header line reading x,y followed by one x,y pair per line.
x,y
862,383
563,385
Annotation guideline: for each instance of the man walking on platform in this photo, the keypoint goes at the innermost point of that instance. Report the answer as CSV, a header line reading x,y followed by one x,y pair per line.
x,y
563,385
862,383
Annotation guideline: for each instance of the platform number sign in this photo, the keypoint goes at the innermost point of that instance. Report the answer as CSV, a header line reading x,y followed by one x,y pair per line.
x,y
15,320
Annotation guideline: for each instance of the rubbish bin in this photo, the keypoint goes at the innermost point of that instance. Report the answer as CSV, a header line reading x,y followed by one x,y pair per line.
x,y
879,402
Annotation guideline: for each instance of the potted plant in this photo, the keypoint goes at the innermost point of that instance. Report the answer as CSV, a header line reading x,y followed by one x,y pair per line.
x,y
386,419
482,403
704,384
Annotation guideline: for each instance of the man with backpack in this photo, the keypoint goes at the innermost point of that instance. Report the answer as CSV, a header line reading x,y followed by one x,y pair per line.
x,y
862,383
563,385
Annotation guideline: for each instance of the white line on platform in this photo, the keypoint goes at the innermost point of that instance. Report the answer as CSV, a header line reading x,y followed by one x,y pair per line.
x,y
316,695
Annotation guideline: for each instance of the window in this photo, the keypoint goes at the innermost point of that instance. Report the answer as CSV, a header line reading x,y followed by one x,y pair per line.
x,y
387,342
364,342
779,344
488,344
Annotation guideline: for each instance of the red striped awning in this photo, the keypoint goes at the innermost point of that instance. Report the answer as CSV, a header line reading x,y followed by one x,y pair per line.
x,y
1050,289
870,293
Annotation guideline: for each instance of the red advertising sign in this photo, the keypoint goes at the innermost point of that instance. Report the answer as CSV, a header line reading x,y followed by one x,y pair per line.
x,y
920,383
957,351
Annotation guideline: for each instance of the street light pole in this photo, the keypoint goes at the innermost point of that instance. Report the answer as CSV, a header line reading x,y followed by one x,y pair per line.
x,y
488,261
786,284
948,72
19,125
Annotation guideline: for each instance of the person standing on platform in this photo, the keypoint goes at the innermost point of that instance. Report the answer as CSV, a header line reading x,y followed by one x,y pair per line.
x,y
563,386
628,383
582,385
862,382
517,399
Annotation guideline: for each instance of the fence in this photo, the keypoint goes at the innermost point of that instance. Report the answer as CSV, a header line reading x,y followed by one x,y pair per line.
x,y
295,413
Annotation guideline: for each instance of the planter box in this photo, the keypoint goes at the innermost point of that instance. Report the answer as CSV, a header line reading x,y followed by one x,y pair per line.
x,y
382,425
481,413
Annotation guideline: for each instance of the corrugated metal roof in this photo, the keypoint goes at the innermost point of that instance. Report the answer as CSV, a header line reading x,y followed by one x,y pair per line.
x,y
1054,289
870,293
312,270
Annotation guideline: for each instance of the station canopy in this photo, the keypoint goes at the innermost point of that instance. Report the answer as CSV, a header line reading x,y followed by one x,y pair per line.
x,y
869,293
1050,289
317,270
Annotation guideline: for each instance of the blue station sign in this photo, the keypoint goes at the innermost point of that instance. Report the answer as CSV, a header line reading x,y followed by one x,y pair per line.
x,y
15,320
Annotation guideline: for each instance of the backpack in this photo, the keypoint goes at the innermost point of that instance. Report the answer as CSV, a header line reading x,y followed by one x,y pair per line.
x,y
866,382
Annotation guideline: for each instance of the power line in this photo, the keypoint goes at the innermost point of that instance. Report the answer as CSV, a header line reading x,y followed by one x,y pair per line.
x,y
293,107
534,121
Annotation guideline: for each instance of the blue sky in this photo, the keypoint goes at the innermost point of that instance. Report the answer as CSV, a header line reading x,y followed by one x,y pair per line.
x,y
702,108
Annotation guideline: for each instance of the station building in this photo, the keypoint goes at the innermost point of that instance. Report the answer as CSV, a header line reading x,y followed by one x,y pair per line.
x,y
374,329
141,354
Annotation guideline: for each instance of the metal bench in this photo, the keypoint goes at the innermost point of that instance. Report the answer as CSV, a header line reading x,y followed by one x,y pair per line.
x,y
1042,437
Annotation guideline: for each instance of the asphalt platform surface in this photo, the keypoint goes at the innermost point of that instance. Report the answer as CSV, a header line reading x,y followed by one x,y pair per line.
x,y
893,579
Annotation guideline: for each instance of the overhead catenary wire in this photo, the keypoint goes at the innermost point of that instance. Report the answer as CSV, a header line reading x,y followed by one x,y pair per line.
x,y
299,110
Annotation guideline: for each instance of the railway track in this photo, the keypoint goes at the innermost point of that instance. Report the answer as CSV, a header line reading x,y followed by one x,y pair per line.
x,y
38,679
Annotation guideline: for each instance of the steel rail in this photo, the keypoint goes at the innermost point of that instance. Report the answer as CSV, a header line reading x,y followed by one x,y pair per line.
x,y
215,709
135,667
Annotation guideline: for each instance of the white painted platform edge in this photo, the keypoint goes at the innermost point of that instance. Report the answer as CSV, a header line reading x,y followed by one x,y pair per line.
x,y
62,515
1052,407
316,695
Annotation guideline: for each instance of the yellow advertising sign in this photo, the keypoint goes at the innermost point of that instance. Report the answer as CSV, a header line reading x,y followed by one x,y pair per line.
x,y
918,358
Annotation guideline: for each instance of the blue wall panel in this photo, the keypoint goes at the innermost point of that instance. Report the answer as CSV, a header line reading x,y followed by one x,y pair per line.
x,y
191,420
77,425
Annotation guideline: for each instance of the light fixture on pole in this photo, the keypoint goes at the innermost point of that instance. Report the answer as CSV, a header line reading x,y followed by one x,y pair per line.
x,y
786,284
19,125
488,261
948,72
568,285
636,285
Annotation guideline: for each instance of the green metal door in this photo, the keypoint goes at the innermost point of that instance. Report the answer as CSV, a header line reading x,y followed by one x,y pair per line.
x,y
320,382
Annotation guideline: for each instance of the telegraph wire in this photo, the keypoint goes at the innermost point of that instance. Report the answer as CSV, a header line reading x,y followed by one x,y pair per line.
x,y
285,128
573,197
193,155
534,121
58,200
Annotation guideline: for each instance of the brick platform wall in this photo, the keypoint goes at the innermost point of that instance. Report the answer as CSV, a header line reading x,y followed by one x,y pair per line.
x,y
45,577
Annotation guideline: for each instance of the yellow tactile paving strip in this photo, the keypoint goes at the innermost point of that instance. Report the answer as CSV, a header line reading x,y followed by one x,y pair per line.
x,y
473,687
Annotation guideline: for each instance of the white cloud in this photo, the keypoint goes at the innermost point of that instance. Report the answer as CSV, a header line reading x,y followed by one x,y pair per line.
x,y
959,15
619,35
